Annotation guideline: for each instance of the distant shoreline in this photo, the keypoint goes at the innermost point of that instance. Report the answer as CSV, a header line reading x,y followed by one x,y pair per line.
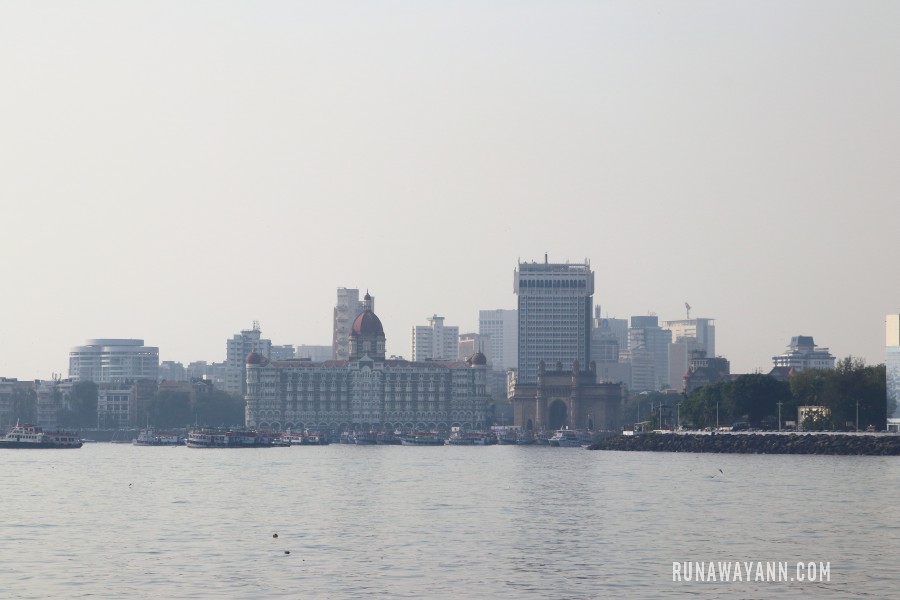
x,y
756,443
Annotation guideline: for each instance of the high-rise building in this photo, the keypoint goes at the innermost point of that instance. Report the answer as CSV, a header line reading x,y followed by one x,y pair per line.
x,y
609,348
802,353
892,361
435,341
554,314
698,334
236,351
347,308
502,327
281,352
648,345
107,360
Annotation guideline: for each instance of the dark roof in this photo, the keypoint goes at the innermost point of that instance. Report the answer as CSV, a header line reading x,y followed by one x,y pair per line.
x,y
367,324
254,359
478,359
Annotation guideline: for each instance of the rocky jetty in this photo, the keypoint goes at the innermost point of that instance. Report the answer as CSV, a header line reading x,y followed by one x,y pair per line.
x,y
753,443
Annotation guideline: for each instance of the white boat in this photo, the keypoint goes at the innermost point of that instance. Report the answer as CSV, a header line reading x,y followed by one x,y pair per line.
x,y
31,436
566,438
228,438
151,437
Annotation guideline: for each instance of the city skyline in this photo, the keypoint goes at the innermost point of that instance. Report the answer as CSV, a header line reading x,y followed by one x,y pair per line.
x,y
175,179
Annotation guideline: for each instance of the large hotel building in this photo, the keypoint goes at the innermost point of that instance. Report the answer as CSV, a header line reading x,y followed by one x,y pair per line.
x,y
366,390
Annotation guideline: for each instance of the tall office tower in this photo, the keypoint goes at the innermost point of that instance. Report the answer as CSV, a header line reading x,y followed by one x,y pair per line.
x,y
699,334
802,353
470,343
648,344
502,326
435,341
107,360
236,351
892,361
609,349
554,316
347,308
688,336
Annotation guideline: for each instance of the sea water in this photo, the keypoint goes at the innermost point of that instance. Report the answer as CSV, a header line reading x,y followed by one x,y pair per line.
x,y
118,521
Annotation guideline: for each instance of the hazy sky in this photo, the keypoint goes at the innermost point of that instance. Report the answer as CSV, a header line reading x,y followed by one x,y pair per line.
x,y
174,170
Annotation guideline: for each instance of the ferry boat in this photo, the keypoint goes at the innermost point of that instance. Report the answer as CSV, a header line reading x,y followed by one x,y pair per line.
x,y
525,438
365,438
31,436
458,437
228,438
506,435
422,438
151,437
387,438
569,438
312,437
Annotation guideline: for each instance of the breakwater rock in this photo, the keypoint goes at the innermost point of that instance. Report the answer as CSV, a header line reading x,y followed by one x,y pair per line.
x,y
820,443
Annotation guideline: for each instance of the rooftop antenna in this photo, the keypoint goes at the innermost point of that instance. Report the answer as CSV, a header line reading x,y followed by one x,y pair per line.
x,y
688,307
255,325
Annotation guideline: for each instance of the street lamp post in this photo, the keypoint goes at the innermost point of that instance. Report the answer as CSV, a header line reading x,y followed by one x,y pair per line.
x,y
779,415
857,416
717,415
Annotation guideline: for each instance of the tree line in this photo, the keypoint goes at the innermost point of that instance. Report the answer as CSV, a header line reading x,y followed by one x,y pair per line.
x,y
849,393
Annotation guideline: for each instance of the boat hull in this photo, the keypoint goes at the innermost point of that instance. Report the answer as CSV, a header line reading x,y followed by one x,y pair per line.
x,y
39,445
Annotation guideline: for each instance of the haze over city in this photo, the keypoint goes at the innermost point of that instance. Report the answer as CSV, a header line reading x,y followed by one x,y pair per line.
x,y
173,172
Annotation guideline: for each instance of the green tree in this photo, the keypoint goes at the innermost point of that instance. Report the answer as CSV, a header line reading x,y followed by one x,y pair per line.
x,y
702,406
756,396
81,408
23,405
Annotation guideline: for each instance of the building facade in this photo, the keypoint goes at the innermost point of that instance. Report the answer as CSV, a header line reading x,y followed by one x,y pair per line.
x,y
567,399
236,350
366,390
892,363
554,315
110,360
435,341
502,327
648,346
346,309
802,353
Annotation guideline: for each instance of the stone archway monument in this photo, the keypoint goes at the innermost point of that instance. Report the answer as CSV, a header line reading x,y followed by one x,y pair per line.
x,y
571,399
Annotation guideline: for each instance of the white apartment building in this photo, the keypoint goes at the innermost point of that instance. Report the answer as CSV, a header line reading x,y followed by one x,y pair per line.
x,y
435,341
106,360
236,351
502,327
554,314
802,353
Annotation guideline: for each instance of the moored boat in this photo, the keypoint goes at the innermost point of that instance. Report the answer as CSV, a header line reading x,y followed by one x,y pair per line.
x,y
228,438
422,438
569,438
151,437
365,438
458,437
31,436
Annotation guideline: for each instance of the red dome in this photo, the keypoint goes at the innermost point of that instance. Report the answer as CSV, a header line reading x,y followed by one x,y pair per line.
x,y
254,359
478,359
367,324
